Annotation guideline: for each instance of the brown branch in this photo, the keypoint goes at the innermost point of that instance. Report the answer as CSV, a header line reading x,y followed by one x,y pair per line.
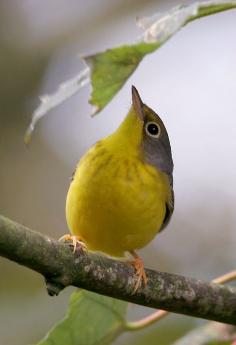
x,y
61,268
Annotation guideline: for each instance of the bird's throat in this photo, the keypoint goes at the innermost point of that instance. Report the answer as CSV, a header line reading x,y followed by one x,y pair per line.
x,y
128,137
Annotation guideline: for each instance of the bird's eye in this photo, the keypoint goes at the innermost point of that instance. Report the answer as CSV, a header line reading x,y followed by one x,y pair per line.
x,y
152,129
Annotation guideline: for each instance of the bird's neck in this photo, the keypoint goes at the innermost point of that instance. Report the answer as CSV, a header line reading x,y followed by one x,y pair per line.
x,y
128,136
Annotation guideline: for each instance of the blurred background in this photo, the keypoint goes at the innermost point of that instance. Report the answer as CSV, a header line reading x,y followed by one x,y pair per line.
x,y
190,82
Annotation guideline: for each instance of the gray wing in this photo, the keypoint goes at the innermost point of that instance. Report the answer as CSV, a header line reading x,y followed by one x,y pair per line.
x,y
169,210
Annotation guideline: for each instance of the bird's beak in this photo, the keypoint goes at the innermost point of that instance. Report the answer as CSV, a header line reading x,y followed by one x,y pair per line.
x,y
137,103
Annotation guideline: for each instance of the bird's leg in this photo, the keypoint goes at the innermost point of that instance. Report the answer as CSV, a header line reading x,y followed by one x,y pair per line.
x,y
76,241
140,271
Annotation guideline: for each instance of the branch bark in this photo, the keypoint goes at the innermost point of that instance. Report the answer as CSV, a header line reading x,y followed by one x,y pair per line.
x,y
61,267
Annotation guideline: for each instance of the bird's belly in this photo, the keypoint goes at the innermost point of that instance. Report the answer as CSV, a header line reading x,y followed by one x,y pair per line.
x,y
116,207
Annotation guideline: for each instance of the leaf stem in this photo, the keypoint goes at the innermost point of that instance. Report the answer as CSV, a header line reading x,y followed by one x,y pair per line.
x,y
147,321
226,278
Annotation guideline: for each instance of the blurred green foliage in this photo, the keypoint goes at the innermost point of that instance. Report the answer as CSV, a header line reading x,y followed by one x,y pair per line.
x,y
91,319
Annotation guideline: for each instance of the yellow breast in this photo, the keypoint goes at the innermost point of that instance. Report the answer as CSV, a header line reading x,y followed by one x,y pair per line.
x,y
116,202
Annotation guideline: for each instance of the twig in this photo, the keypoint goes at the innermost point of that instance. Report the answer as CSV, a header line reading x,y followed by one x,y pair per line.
x,y
146,321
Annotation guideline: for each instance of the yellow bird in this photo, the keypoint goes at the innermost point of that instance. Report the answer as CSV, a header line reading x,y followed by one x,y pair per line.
x,y
121,194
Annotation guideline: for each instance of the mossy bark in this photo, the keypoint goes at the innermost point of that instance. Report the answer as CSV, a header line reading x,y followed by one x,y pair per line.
x,y
61,267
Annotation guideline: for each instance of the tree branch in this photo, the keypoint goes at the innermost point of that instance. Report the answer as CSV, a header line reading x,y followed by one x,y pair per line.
x,y
61,267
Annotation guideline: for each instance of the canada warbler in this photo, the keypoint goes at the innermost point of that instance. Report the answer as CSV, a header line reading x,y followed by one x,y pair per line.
x,y
121,194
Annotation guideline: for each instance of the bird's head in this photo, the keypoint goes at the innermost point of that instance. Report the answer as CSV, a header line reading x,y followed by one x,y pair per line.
x,y
142,133
155,143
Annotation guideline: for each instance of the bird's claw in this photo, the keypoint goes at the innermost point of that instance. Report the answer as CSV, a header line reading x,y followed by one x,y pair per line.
x,y
140,273
76,242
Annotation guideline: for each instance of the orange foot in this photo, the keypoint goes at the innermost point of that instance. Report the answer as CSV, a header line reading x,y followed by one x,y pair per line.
x,y
140,271
76,240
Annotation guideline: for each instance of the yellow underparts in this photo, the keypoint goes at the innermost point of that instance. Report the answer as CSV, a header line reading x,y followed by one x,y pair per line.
x,y
116,202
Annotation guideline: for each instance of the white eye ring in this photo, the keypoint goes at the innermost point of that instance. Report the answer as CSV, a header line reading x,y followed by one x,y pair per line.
x,y
153,129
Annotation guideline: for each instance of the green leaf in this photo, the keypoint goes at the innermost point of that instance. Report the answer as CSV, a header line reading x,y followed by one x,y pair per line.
x,y
211,8
110,70
91,319
220,342
211,333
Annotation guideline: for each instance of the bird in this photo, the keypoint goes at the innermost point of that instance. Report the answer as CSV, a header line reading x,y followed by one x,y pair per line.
x,y
121,194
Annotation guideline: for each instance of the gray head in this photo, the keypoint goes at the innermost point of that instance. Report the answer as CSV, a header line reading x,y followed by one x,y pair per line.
x,y
155,144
